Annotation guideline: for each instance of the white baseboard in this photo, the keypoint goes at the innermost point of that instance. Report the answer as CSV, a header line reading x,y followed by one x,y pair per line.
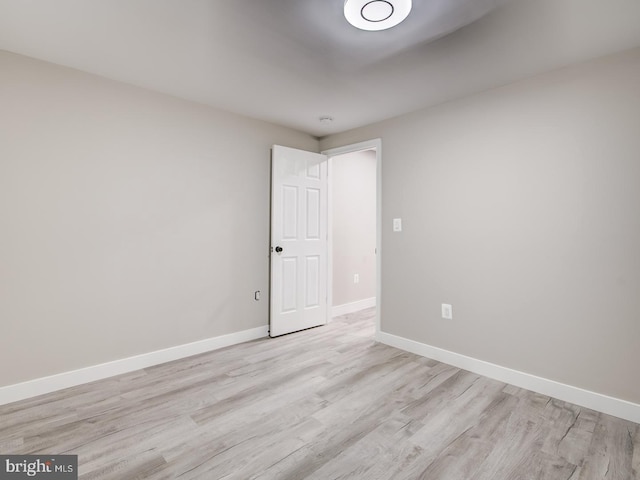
x,y
40,386
578,396
346,308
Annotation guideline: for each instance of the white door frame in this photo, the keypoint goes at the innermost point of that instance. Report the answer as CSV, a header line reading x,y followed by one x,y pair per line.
x,y
333,152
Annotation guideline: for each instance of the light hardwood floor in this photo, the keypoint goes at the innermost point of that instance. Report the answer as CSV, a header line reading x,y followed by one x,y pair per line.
x,y
326,403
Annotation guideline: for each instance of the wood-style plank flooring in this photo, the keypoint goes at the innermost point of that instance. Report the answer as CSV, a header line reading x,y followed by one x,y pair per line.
x,y
326,403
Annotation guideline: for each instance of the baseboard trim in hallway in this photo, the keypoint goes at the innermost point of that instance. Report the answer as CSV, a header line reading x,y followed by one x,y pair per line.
x,y
40,386
353,307
578,396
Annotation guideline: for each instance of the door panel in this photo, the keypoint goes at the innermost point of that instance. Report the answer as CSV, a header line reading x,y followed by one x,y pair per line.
x,y
298,240
313,214
289,279
312,282
289,212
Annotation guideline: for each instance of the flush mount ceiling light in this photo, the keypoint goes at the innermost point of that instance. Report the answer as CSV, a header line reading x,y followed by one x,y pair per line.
x,y
376,14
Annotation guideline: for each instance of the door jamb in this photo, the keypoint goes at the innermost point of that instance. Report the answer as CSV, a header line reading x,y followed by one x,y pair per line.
x,y
333,152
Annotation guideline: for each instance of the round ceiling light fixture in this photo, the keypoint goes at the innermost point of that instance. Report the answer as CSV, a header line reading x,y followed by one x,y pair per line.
x,y
376,14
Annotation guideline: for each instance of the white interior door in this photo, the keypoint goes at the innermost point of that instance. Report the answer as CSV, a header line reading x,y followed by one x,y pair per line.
x,y
299,243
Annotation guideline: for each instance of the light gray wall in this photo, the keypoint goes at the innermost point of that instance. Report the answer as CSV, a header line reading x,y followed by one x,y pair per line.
x,y
521,209
353,185
129,221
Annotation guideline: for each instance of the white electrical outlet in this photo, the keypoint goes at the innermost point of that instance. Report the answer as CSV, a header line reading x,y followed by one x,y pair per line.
x,y
356,278
447,311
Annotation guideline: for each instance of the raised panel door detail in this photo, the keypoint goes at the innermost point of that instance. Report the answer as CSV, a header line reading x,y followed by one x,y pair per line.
x,y
312,281
289,212
313,214
289,284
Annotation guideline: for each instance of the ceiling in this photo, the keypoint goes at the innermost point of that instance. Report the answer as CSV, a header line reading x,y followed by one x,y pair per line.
x,y
293,61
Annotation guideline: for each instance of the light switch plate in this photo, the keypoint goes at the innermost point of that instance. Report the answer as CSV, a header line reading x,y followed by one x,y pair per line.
x,y
397,224
447,311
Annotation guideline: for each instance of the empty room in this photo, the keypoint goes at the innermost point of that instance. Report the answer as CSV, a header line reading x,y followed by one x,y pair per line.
x,y
320,239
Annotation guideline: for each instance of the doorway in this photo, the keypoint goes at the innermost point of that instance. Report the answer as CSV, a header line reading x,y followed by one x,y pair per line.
x,y
354,226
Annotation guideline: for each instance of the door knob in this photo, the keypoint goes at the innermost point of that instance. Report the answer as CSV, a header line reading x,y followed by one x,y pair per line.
x,y
278,249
